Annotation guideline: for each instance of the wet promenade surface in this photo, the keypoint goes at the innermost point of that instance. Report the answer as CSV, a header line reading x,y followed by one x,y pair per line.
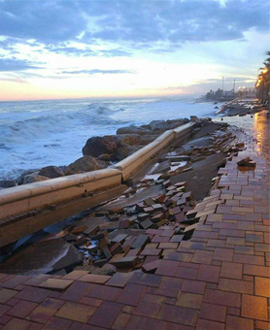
x,y
218,280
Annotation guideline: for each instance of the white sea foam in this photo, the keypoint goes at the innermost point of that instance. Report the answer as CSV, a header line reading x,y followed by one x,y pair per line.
x,y
40,133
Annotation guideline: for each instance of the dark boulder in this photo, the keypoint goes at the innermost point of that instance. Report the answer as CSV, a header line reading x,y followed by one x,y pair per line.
x,y
83,164
98,145
7,183
106,148
34,177
51,172
133,130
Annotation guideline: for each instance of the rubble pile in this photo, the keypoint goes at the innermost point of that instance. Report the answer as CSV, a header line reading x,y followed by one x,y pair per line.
x,y
166,218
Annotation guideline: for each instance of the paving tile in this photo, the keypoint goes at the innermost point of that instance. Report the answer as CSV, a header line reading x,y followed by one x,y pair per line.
x,y
160,239
57,323
186,273
76,312
190,300
178,314
235,241
121,321
44,312
90,301
223,254
150,266
119,279
33,294
99,279
6,295
238,323
256,270
174,326
231,270
146,308
131,294
17,324
208,273
15,281
202,257
262,325
254,238
209,325
244,249
248,259
232,232
4,319
103,292
222,298
236,286
3,309
233,311
213,312
22,309
75,291
56,284
75,275
139,322
145,279
167,268
169,287
193,286
262,287
83,326
168,245
106,314
177,255
153,298
254,307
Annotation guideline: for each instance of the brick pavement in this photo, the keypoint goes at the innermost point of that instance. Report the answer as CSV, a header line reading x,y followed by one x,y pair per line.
x,y
219,280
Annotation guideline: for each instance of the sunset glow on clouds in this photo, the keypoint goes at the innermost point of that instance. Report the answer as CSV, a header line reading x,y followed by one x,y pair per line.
x,y
79,48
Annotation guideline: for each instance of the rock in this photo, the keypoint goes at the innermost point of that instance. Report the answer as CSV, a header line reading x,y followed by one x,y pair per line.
x,y
34,177
194,119
104,157
24,174
133,130
129,139
123,152
51,172
83,164
8,183
145,139
97,145
157,125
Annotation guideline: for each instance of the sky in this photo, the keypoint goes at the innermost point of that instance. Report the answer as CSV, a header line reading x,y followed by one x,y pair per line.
x,y
52,49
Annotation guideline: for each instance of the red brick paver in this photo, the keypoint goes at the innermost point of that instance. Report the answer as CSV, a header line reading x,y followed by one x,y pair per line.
x,y
219,279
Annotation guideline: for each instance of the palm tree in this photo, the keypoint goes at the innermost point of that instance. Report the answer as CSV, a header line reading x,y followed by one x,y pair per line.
x,y
262,85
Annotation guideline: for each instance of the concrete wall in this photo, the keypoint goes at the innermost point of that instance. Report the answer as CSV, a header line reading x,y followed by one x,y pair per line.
x,y
39,195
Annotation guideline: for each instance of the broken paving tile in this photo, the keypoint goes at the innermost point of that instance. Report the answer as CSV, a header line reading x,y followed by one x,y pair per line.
x,y
140,241
119,238
125,262
146,224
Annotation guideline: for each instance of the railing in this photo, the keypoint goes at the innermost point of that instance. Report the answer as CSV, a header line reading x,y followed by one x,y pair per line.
x,y
41,195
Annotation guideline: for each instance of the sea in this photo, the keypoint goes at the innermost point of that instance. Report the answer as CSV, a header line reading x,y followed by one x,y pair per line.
x,y
34,134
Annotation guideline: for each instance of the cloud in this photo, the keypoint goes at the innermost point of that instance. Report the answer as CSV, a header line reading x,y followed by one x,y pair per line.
x,y
133,21
8,64
47,21
97,71
74,51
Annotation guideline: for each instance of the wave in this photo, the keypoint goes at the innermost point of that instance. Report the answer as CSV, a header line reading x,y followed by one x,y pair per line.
x,y
45,123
